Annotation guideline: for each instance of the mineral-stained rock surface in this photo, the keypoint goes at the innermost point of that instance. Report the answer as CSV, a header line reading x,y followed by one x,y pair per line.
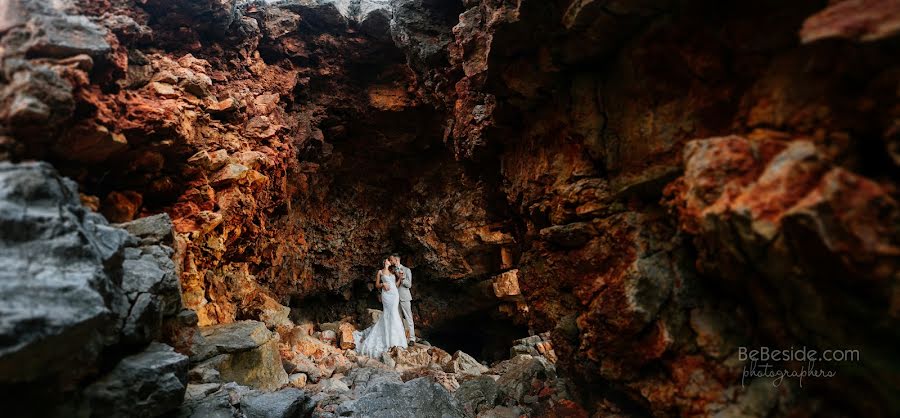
x,y
620,195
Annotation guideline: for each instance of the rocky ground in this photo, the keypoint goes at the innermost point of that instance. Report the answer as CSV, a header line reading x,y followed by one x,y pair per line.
x,y
307,370
645,185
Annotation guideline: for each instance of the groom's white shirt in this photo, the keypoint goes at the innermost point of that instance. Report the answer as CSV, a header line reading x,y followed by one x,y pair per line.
x,y
406,285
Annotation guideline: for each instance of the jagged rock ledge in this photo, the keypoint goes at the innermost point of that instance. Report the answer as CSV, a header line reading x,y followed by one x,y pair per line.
x,y
82,302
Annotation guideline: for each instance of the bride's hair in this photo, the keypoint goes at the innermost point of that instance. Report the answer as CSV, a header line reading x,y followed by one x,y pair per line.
x,y
393,269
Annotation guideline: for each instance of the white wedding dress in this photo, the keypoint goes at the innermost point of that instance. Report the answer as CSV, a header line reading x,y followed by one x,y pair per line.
x,y
388,331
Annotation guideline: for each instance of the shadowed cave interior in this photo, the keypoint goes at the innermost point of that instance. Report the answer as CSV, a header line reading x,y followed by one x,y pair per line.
x,y
602,203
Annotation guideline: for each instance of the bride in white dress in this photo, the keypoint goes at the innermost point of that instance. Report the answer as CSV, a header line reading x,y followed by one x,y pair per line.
x,y
388,331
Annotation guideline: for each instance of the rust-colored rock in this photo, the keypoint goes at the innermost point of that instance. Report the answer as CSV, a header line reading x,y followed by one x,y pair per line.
x,y
507,284
121,206
865,20
644,187
345,336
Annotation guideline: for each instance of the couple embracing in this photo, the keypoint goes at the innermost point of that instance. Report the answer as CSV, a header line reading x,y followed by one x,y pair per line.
x,y
394,280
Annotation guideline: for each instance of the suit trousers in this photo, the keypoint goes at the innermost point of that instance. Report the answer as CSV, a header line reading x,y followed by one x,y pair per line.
x,y
406,310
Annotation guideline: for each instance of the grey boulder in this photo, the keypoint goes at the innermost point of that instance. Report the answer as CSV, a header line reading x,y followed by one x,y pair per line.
x,y
148,384
245,352
155,229
464,364
285,403
66,36
213,401
422,397
235,401
150,283
521,374
231,338
478,394
56,288
370,379
67,299
423,29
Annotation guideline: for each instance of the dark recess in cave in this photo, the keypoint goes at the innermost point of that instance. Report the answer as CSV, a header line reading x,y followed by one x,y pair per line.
x,y
484,335
478,328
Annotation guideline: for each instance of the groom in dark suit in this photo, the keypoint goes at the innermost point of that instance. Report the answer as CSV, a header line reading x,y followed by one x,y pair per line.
x,y
405,296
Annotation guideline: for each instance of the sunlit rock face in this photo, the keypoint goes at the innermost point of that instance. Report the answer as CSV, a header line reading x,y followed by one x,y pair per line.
x,y
289,144
655,184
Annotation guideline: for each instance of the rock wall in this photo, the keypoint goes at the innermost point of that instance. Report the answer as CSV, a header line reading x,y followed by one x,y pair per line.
x,y
684,184
82,301
655,183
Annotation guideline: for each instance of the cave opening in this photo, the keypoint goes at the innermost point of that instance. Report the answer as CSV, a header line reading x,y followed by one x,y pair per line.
x,y
454,316
486,335
384,182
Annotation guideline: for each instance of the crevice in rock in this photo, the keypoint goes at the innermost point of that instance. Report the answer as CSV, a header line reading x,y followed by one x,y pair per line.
x,y
487,334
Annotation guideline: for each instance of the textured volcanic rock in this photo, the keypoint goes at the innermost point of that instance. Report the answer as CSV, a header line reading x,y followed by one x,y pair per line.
x,y
586,154
415,381
774,201
233,400
525,380
79,295
149,278
284,403
420,397
655,184
59,285
526,384
212,400
477,395
465,364
244,352
148,384
866,20
256,150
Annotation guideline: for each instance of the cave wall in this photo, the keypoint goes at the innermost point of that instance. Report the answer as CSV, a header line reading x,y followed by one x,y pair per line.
x,y
289,144
682,183
661,181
